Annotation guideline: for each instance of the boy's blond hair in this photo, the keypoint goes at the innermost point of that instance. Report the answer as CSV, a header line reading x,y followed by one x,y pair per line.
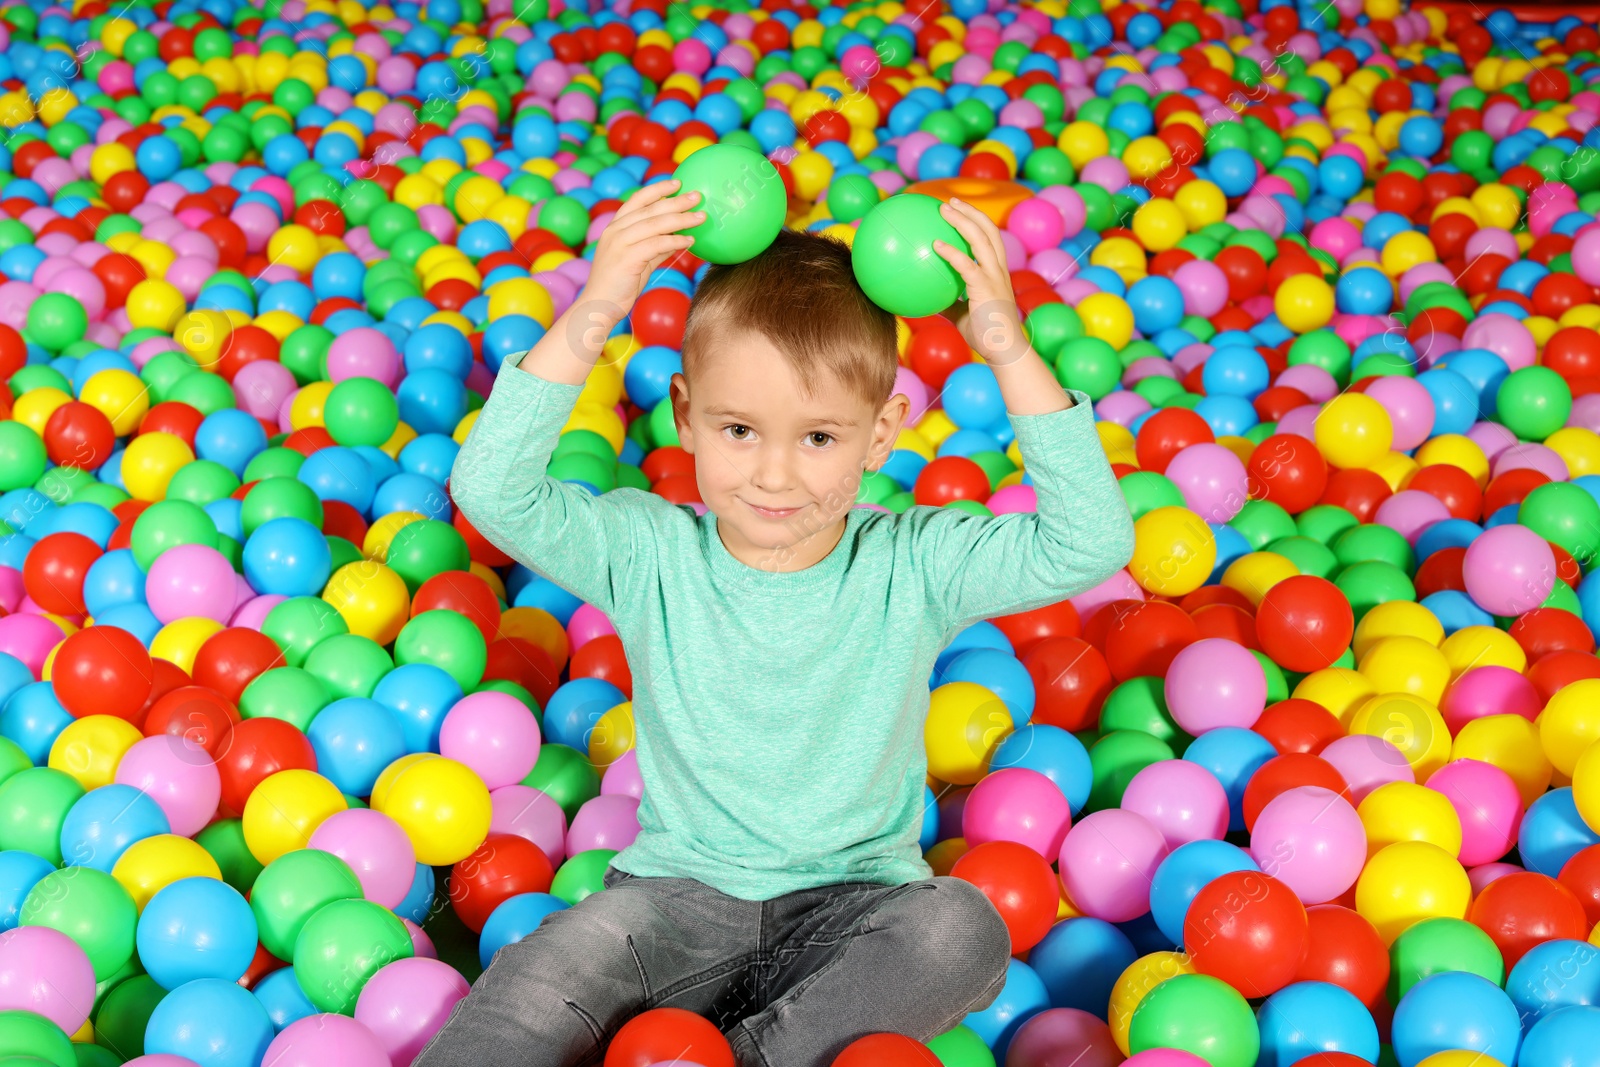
x,y
801,295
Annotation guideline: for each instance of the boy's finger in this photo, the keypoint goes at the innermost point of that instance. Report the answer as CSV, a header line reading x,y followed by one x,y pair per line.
x,y
958,259
649,194
643,229
985,226
689,201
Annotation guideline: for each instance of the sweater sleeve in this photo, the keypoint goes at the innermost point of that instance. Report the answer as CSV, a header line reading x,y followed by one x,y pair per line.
x,y
1081,533
586,544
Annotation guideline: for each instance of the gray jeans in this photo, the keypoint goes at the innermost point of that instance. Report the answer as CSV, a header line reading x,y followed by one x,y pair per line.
x,y
791,981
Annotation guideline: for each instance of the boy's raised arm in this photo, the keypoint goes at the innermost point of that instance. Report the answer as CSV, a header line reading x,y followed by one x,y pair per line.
x,y
1081,532
580,541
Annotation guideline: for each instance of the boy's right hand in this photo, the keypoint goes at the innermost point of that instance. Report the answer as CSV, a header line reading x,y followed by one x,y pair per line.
x,y
642,235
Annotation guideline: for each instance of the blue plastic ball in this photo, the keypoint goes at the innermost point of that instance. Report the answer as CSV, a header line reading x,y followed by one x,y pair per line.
x,y
355,739
104,822
212,1022
514,919
287,556
196,928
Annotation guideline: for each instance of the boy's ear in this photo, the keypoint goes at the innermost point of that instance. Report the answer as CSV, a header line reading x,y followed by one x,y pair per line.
x,y
886,430
679,395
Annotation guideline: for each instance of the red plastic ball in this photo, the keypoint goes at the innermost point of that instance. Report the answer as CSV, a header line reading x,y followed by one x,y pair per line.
x,y
1070,681
659,316
231,659
1358,491
500,868
462,592
1287,470
77,435
1582,876
1298,726
1305,623
603,658
951,478
668,1034
936,349
102,670
1546,630
1027,628
1019,883
1283,773
200,719
1166,433
1524,909
1248,929
1146,639
885,1050
1344,949
54,570
254,750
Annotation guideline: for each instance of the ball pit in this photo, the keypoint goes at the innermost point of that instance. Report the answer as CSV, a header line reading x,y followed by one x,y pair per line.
x,y
288,750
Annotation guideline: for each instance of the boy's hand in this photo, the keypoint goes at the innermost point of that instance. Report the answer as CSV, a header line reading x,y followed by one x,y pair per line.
x,y
991,308
642,235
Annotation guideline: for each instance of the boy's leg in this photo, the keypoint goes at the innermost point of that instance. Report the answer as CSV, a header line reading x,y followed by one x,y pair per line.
x,y
845,961
553,998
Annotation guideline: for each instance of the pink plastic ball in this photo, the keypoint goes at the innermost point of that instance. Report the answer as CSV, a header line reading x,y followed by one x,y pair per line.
x,y
1181,799
181,779
1107,861
494,734
1204,287
406,1003
1509,570
1020,805
375,847
1366,762
622,777
1164,1057
1063,1037
531,814
1037,224
587,623
318,1040
1312,840
1410,407
1212,480
1489,690
364,353
1488,804
604,822
1215,682
189,581
1410,512
44,971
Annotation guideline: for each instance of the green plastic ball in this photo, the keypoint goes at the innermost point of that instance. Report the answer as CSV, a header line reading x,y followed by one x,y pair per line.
x,y
423,549
341,946
1534,402
349,665
292,694
743,197
361,411
1200,1014
299,624
89,906
33,805
894,260
292,888
582,875
449,641
1437,945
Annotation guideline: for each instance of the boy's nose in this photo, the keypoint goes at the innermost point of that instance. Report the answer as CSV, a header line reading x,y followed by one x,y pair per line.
x,y
770,471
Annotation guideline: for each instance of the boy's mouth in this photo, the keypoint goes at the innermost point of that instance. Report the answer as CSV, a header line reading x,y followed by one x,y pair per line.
x,y
775,514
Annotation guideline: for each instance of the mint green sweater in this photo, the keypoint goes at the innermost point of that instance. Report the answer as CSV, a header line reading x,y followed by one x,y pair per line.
x,y
780,715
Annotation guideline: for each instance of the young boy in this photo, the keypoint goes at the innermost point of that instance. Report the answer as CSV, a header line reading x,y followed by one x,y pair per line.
x,y
780,646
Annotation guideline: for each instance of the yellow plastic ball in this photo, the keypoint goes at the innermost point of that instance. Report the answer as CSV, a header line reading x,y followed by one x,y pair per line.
x,y
1396,618
1107,317
284,809
1083,141
294,246
309,404
120,396
1586,786
1135,983
1404,811
1410,881
1483,646
1410,724
179,641
381,533
1159,224
1338,689
1174,551
965,723
1570,723
90,748
371,598
150,461
1511,743
1405,250
149,866
1255,573
1304,303
1202,203
521,296
612,736
1407,665
203,334
1456,450
34,408
441,805
1460,1058
154,304
1122,255
1353,430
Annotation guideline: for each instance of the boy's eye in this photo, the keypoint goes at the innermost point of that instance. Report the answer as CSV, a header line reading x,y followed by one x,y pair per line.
x,y
820,439
738,433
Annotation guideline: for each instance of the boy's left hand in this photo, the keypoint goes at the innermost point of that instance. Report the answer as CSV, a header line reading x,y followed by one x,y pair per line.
x,y
992,313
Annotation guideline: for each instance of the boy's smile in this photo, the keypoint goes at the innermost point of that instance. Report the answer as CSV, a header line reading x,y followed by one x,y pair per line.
x,y
778,466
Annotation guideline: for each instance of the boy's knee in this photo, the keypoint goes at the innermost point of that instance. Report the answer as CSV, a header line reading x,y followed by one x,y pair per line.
x,y
961,932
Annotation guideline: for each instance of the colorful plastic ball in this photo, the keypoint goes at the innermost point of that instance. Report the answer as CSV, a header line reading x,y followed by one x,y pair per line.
x,y
375,848
1020,884
1199,1014
1309,1017
320,1039
406,1002
1524,909
291,889
287,557
1354,430
1080,959
1455,1011
284,809
104,822
743,198
1183,873
669,1033
441,805
1174,551
43,971
1407,882
1509,569
1566,1036
211,1022
894,259
341,946
1107,861
196,928
1312,840
1181,799
1304,623
1213,683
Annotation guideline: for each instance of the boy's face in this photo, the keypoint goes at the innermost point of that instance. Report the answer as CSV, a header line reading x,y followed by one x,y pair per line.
x,y
779,468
